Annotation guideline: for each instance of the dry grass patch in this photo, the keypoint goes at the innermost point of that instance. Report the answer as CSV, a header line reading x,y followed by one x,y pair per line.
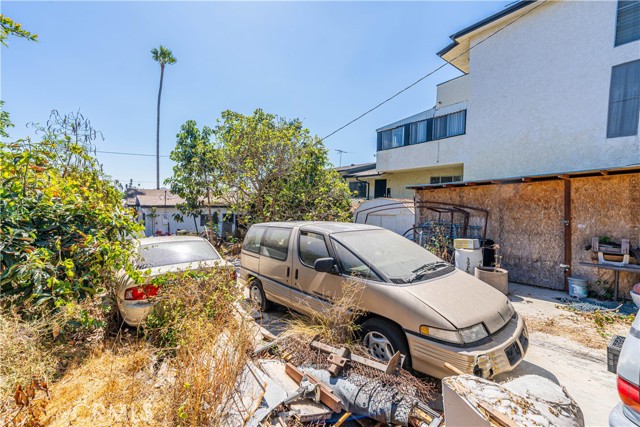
x,y
180,371
588,329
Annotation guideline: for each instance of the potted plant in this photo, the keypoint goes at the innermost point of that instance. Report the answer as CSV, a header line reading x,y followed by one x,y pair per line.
x,y
494,276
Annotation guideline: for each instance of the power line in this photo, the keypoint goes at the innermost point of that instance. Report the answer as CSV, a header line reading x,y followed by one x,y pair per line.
x,y
129,154
430,73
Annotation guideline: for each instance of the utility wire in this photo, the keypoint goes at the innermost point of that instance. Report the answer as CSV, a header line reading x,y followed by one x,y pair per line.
x,y
129,154
431,72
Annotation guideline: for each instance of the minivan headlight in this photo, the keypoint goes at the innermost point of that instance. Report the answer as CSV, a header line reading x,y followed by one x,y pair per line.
x,y
473,333
441,334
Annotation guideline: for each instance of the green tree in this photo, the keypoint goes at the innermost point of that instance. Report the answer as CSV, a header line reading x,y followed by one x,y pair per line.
x,y
162,56
273,169
195,174
8,27
63,229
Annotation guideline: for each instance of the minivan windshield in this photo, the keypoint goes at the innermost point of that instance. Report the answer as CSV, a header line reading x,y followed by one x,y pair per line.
x,y
396,257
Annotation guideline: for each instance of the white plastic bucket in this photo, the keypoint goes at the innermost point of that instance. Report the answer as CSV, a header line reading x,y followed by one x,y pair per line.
x,y
578,287
467,259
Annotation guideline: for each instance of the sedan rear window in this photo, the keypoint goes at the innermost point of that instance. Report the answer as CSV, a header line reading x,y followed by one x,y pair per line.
x,y
180,252
395,256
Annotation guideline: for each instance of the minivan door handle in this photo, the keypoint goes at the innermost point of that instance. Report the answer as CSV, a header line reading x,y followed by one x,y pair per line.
x,y
296,274
288,271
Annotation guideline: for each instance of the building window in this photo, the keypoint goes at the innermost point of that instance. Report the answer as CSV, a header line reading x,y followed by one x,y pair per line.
x,y
393,138
418,132
628,23
449,125
204,219
445,179
624,100
358,189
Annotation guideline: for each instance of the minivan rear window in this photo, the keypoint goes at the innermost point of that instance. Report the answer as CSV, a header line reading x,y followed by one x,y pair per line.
x,y
276,243
252,239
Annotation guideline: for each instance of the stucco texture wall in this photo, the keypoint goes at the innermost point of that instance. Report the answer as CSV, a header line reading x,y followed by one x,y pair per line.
x,y
540,94
398,181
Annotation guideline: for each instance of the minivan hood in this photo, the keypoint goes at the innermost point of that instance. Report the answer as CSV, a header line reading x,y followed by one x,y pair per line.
x,y
464,300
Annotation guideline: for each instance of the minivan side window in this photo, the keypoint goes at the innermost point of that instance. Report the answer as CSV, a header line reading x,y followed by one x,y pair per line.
x,y
276,243
252,239
352,265
311,248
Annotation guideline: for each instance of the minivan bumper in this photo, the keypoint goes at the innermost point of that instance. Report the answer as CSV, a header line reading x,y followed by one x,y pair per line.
x,y
501,353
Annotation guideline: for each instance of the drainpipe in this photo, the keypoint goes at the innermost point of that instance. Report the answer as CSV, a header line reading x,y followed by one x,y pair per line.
x,y
367,184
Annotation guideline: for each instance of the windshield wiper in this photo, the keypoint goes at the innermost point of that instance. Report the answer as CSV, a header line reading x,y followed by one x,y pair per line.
x,y
422,270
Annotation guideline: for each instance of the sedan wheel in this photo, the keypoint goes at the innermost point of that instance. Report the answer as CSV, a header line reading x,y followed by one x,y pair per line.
x,y
378,346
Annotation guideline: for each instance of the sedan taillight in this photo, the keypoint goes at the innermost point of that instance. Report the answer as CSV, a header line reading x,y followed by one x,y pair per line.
x,y
629,393
140,292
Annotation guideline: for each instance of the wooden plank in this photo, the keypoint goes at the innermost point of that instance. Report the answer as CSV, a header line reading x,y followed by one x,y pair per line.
x,y
496,417
567,232
326,394
342,419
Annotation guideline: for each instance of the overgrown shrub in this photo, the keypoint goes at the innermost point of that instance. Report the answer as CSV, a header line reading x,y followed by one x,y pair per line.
x,y
63,231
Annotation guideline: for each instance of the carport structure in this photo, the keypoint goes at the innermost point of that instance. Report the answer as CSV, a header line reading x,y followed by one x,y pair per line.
x,y
544,222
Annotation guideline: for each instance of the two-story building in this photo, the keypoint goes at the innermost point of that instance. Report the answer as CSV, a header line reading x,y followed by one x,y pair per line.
x,y
540,129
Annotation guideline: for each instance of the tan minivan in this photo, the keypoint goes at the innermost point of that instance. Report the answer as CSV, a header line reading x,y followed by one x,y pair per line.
x,y
415,303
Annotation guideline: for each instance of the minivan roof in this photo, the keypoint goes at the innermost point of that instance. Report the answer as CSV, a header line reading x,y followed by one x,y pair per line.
x,y
327,227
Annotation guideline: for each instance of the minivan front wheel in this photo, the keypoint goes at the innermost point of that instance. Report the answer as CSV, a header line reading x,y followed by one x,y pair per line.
x,y
256,294
383,338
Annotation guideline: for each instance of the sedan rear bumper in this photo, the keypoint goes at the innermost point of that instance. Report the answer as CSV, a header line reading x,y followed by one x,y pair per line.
x,y
134,312
502,352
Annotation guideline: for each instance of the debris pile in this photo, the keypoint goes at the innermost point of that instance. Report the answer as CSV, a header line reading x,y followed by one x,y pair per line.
x,y
526,401
296,382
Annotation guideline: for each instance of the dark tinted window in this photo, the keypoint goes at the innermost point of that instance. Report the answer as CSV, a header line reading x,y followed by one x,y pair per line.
x,y
312,247
624,100
276,243
252,239
628,24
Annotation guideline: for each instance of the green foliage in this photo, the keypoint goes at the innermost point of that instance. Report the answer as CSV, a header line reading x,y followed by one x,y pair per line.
x,y
163,56
5,121
63,229
273,169
195,174
9,27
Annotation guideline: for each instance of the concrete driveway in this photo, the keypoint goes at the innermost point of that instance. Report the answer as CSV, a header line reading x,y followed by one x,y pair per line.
x,y
581,369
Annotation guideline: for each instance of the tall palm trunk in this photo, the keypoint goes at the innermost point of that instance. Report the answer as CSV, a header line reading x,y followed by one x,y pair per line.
x,y
158,130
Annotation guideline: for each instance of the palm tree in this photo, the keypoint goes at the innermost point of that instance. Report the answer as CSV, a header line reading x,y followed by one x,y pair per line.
x,y
162,56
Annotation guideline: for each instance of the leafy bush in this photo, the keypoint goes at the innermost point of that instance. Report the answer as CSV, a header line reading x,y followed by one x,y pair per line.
x,y
63,231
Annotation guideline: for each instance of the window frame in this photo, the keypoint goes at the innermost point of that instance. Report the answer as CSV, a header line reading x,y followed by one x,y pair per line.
x,y
324,239
620,133
616,37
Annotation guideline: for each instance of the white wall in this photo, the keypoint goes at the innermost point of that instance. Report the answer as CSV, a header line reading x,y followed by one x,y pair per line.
x,y
152,225
540,94
538,97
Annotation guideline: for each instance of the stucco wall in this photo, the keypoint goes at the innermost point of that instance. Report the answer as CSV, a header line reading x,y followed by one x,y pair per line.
x,y
152,225
538,98
453,91
540,94
398,181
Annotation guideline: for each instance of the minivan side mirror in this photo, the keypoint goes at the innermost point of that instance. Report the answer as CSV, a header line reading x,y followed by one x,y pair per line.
x,y
324,265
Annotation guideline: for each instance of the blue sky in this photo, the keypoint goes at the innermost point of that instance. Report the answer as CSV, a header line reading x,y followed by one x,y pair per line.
x,y
324,62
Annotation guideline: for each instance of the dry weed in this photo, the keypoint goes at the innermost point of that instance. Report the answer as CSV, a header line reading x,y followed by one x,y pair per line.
x,y
337,323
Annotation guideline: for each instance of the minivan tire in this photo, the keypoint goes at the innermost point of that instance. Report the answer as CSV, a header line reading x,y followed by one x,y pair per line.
x,y
392,332
256,287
